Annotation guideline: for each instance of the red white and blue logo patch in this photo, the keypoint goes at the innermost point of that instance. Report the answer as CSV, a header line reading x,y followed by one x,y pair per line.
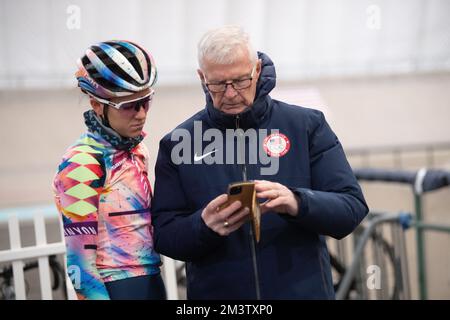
x,y
276,145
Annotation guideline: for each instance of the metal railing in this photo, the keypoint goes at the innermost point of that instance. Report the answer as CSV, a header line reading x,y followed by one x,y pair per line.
x,y
398,153
421,182
397,254
43,251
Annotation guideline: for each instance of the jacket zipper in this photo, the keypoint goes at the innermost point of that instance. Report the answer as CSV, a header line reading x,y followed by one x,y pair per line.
x,y
252,238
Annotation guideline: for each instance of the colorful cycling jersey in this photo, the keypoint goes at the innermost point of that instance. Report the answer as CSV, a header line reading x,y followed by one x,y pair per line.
x,y
103,195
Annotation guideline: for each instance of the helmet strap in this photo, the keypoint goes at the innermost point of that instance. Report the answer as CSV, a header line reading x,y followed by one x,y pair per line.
x,y
104,117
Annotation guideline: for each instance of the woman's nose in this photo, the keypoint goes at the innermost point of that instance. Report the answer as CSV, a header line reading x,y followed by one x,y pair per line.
x,y
142,112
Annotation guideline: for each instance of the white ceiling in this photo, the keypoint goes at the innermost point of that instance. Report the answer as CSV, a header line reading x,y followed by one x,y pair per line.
x,y
41,40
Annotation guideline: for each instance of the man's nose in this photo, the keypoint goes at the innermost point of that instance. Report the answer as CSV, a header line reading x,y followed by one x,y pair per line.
x,y
230,92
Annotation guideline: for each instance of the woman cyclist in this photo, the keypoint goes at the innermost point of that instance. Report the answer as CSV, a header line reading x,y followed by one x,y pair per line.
x,y
101,188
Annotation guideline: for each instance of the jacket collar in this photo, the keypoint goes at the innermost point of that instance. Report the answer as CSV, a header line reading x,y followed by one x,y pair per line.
x,y
254,115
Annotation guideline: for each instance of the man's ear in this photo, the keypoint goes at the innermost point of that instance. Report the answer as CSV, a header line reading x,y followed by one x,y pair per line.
x,y
201,75
97,106
258,67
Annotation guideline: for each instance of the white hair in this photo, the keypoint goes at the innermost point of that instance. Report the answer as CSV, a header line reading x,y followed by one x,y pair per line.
x,y
223,44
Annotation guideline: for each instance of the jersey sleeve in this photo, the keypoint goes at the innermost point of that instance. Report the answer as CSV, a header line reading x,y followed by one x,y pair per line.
x,y
77,187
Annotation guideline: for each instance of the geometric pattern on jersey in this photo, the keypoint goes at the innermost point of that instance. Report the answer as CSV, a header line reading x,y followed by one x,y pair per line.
x,y
82,174
81,208
83,159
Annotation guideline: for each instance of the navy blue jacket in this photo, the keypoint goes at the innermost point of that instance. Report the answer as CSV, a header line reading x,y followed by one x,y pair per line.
x,y
292,257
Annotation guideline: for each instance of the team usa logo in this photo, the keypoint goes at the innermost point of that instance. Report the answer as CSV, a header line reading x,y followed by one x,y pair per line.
x,y
276,145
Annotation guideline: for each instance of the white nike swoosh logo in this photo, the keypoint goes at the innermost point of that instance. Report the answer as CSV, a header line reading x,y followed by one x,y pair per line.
x,y
197,158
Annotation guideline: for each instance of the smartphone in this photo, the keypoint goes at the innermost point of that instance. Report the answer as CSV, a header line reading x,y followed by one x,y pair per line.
x,y
245,192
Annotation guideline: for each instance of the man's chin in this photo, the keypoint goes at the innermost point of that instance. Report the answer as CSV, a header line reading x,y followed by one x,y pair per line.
x,y
233,109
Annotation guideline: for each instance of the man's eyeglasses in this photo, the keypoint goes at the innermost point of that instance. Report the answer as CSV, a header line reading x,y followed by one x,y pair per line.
x,y
237,84
129,106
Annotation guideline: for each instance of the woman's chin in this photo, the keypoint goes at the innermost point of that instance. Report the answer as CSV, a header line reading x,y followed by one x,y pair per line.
x,y
132,134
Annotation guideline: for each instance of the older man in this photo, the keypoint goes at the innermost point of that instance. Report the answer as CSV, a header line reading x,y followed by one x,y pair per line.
x,y
308,193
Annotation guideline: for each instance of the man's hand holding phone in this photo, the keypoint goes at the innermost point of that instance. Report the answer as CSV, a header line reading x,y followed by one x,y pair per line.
x,y
222,218
232,212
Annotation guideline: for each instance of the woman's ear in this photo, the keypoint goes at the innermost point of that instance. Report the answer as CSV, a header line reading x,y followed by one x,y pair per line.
x,y
97,106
